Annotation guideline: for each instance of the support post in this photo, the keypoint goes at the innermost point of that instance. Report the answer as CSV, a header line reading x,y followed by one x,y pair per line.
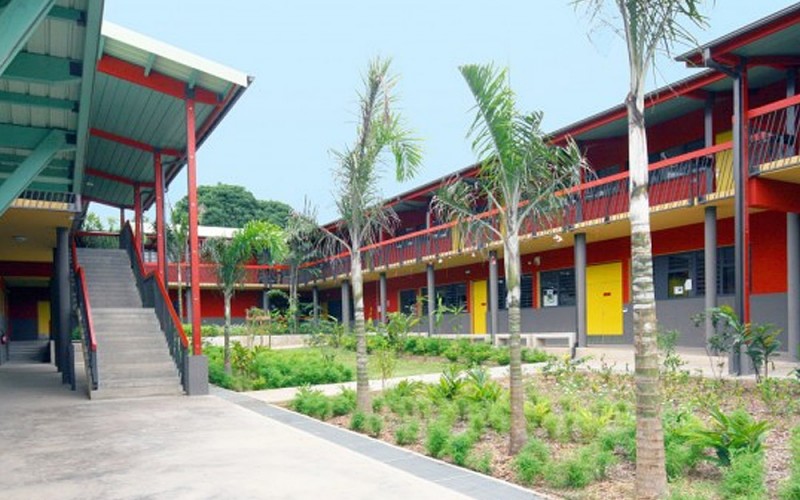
x,y
265,300
494,299
383,298
431,298
346,305
710,257
121,218
315,302
194,246
63,294
580,290
161,230
137,217
708,129
741,233
793,284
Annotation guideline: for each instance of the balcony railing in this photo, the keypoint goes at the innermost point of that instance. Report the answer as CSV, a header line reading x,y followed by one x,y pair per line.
x,y
774,135
703,175
254,273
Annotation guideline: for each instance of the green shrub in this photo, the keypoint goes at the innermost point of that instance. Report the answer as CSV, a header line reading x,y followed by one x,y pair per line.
x,y
532,460
482,463
502,356
682,453
790,488
499,417
744,479
477,423
378,404
459,447
407,433
534,356
480,387
374,425
344,402
620,438
358,422
550,425
449,386
311,402
437,438
535,412
729,433
578,470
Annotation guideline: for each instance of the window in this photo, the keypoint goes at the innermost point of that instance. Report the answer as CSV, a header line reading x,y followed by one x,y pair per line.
x,y
452,296
408,301
526,292
558,288
682,275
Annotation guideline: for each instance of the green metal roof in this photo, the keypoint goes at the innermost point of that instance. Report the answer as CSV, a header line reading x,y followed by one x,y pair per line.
x,y
103,87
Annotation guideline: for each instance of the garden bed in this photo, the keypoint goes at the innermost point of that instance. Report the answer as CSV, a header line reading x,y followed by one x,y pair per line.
x,y
582,430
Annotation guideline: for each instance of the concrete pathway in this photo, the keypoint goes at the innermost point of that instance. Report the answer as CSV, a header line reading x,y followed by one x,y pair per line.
x,y
57,444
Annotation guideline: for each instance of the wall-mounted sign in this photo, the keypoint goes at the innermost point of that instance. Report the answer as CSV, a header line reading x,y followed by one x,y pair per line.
x,y
550,298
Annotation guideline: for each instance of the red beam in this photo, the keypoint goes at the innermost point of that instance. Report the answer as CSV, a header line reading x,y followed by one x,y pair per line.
x,y
116,178
26,269
160,229
133,143
774,195
155,81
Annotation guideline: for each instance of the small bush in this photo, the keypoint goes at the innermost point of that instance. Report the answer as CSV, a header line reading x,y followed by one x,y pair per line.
x,y
437,438
374,425
407,433
344,403
477,423
377,404
482,463
744,479
550,425
534,356
312,403
620,438
581,468
532,460
499,417
790,489
358,422
460,446
729,434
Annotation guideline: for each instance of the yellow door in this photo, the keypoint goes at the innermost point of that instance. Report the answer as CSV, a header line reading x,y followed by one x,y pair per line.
x,y
478,306
724,164
43,318
604,299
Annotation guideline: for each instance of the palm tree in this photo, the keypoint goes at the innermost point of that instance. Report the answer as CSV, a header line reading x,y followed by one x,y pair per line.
x,y
648,26
380,139
230,256
519,178
302,240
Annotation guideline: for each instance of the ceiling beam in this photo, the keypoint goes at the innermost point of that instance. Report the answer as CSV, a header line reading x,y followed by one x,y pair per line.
x,y
59,13
116,178
133,143
14,160
43,179
38,101
39,68
29,169
20,137
19,21
153,80
91,50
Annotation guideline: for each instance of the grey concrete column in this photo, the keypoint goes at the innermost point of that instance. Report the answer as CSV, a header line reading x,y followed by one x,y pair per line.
x,y
346,305
383,297
55,330
708,129
493,295
793,283
265,300
61,268
710,253
187,304
431,299
315,303
740,211
580,289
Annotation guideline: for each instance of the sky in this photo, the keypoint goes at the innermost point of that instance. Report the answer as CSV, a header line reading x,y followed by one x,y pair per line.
x,y
307,58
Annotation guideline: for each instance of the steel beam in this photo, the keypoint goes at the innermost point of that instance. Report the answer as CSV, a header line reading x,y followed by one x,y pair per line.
x,y
161,232
346,305
194,244
91,49
21,137
493,296
40,68
383,298
38,101
27,171
19,21
133,143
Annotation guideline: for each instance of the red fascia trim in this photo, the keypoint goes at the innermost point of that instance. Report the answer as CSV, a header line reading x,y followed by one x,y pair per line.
x,y
155,81
28,269
749,37
773,106
774,195
116,178
127,141
105,202
677,91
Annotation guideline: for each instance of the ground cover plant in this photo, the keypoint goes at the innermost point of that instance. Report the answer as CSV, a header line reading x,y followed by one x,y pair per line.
x,y
724,439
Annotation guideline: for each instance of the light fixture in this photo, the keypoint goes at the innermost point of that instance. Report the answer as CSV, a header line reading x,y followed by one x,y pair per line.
x,y
18,238
537,260
468,271
557,238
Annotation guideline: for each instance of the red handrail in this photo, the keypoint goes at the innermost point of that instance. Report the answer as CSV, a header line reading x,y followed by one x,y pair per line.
x,y
576,189
774,106
162,289
84,290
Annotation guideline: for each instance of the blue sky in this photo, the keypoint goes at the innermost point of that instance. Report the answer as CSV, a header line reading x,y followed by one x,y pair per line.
x,y
307,57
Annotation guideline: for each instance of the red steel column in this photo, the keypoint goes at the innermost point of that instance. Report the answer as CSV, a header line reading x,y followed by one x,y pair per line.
x,y
194,251
747,271
137,208
161,240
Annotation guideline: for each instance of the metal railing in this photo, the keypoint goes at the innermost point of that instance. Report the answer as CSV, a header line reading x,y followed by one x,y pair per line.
x,y
85,318
154,294
773,135
48,200
701,175
254,273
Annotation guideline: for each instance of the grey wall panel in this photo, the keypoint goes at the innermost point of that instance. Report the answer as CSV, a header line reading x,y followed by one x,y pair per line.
x,y
771,308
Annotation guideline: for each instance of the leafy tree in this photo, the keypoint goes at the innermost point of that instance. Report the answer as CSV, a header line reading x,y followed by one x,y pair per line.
x,y
227,205
230,256
520,174
648,26
380,138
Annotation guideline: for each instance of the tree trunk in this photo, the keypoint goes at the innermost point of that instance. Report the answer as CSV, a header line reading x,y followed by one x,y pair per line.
x,y
180,291
651,479
227,332
518,435
362,377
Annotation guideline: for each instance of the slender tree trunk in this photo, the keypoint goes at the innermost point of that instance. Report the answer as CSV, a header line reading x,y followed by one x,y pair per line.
x,y
362,377
294,304
227,332
180,291
518,435
651,479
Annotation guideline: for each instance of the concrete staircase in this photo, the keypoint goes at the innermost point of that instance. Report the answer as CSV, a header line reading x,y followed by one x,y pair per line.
x,y
133,359
27,351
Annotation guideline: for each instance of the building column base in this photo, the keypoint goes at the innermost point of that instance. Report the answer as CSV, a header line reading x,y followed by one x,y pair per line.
x,y
196,374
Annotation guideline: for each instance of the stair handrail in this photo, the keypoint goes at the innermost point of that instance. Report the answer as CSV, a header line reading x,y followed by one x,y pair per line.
x,y
85,310
159,297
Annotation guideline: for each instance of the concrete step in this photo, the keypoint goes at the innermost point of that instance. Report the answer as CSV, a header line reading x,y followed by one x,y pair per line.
x,y
135,371
137,392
